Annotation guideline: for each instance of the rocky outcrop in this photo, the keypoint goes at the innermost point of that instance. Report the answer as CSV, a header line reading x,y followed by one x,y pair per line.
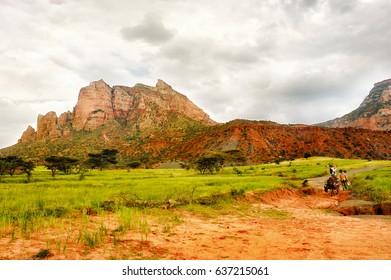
x,y
373,113
65,123
94,107
147,106
47,127
141,107
29,135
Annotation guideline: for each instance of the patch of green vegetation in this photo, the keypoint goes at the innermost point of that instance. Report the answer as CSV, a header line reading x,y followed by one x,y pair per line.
x,y
132,196
373,185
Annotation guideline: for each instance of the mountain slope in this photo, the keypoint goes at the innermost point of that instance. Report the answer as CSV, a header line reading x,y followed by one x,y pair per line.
x,y
259,141
157,124
373,113
267,141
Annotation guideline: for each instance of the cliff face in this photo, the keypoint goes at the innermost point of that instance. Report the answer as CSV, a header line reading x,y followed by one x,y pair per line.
x,y
94,107
141,107
29,135
373,113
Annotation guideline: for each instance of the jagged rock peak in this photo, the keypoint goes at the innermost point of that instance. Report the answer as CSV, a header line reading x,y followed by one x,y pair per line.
x,y
28,136
99,82
47,126
99,85
162,85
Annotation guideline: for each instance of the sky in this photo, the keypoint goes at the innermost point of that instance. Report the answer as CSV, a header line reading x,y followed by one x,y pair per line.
x,y
287,61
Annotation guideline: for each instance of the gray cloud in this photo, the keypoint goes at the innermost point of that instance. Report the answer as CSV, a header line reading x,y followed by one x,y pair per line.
x,y
151,30
286,61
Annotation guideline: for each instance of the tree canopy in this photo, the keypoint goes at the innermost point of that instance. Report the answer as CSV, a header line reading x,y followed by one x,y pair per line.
x,y
64,164
210,163
103,159
9,165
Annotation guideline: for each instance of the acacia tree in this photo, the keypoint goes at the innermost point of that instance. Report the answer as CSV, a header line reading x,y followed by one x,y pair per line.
x,y
210,163
64,164
102,159
12,163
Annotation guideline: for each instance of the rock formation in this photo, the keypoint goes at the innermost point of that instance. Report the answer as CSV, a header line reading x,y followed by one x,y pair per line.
x,y
47,126
373,113
94,107
28,136
140,106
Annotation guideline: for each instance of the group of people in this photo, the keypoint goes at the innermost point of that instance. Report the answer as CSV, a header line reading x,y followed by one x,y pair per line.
x,y
342,177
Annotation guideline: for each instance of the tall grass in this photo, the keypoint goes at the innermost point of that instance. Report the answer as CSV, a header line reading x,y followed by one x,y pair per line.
x,y
45,202
374,185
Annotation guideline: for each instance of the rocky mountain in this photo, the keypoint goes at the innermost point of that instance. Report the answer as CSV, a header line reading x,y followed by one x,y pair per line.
x,y
139,108
158,124
373,113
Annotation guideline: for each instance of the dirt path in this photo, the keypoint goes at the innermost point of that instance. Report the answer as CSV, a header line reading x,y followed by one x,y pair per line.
x,y
306,229
282,225
306,233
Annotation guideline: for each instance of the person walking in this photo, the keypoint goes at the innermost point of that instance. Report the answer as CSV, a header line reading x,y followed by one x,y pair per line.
x,y
343,179
333,170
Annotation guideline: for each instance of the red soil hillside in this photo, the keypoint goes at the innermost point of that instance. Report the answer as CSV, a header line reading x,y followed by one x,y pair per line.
x,y
265,141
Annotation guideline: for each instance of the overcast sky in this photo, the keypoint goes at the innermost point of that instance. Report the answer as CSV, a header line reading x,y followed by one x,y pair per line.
x,y
303,61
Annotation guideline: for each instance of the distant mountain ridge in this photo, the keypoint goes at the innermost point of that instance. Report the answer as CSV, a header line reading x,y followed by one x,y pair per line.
x,y
373,113
157,124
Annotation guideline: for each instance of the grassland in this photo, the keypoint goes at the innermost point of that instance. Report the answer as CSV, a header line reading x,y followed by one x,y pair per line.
x,y
73,204
374,185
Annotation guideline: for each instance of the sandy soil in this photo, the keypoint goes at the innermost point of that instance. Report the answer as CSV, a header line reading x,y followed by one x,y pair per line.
x,y
308,233
282,225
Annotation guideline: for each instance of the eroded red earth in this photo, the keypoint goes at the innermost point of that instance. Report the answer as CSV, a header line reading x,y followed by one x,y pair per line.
x,y
281,225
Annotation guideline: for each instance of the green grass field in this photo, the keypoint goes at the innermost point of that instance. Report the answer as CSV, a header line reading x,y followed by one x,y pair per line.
x,y
374,185
47,202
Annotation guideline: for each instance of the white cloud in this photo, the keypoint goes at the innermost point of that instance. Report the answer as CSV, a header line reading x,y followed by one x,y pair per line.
x,y
274,59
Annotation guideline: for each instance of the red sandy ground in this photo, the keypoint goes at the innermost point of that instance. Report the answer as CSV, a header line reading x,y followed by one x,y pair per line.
x,y
305,231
